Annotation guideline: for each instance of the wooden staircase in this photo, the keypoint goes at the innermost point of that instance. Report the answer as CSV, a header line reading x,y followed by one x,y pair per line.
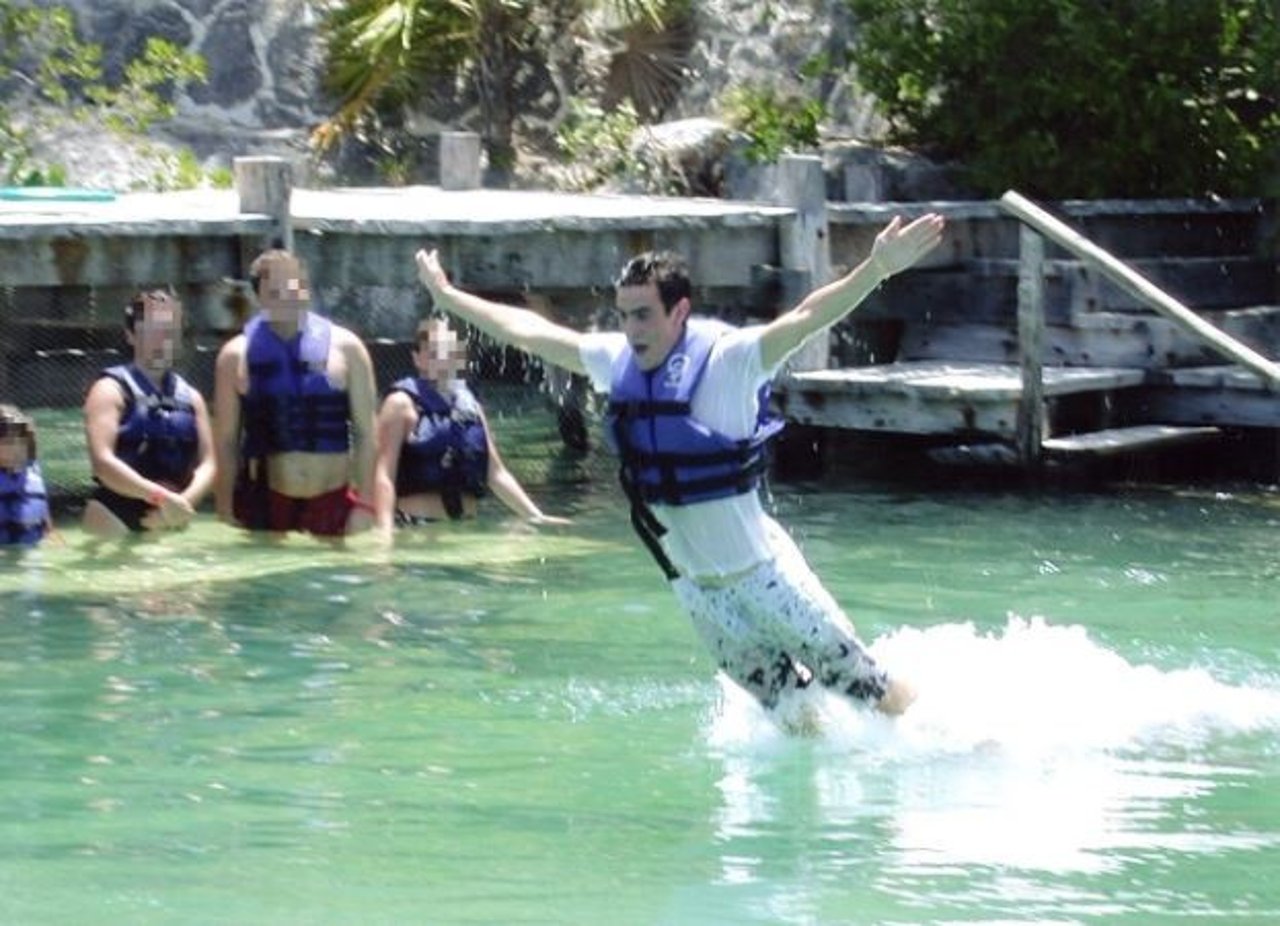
x,y
1116,376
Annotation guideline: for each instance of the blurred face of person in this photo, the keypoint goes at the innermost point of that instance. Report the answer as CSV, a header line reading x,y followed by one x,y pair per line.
x,y
440,355
284,292
157,334
14,442
651,330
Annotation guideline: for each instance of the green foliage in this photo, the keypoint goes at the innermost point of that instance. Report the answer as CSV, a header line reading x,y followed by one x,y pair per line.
x,y
597,144
589,134
49,66
776,122
385,55
1081,98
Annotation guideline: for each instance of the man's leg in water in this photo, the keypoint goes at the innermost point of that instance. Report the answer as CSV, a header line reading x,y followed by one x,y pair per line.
x,y
818,632
765,672
776,629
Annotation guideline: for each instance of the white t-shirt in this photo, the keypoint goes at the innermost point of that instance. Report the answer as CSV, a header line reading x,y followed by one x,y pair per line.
x,y
725,535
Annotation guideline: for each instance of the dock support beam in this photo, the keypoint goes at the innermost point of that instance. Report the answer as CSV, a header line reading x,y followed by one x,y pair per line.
x,y
459,161
1031,425
805,245
265,185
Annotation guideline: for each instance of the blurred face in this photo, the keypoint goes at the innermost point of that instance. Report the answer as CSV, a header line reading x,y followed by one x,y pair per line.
x,y
157,334
283,290
650,329
440,355
13,447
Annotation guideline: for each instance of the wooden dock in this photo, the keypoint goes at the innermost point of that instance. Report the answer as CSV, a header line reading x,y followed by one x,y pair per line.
x,y
944,350
1067,353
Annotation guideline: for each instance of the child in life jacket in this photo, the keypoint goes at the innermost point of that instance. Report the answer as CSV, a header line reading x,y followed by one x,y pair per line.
x,y
24,501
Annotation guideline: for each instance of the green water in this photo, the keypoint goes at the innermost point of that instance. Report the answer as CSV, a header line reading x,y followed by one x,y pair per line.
x,y
492,725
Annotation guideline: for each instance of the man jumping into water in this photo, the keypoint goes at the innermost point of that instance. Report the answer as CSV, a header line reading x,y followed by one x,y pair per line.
x,y
686,418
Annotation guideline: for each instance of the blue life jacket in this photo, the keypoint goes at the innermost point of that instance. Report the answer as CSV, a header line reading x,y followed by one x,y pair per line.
x,y
667,456
448,448
291,404
157,434
24,506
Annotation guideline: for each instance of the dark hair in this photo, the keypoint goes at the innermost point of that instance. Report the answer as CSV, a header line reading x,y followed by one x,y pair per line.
x,y
666,269
14,421
138,305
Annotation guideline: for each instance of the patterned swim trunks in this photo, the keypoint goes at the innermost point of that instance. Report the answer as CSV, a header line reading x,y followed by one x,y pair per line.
x,y
775,629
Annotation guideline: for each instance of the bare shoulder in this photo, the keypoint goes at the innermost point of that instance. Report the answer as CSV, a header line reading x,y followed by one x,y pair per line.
x,y
398,402
348,340
105,391
234,348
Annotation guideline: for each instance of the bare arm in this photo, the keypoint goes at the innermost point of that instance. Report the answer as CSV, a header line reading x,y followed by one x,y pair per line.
x,y
508,489
202,478
394,421
521,328
104,406
176,513
226,423
896,248
364,411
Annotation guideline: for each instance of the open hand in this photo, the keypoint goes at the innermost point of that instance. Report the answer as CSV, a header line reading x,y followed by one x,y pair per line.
x,y
430,272
899,246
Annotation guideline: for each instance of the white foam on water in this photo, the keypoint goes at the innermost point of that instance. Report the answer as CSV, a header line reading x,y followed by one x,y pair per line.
x,y
1030,688
1033,747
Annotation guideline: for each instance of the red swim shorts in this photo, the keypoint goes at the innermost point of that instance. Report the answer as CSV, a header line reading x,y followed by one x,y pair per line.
x,y
323,515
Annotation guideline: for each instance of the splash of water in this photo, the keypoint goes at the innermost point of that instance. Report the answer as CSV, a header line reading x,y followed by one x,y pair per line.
x,y
1031,688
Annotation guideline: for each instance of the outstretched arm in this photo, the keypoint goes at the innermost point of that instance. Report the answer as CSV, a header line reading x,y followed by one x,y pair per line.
x,y
896,248
518,327
507,488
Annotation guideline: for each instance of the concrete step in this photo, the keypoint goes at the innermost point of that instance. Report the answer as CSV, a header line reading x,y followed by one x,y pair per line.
x,y
1115,441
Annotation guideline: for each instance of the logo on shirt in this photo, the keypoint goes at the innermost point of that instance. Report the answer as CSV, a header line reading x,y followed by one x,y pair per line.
x,y
674,373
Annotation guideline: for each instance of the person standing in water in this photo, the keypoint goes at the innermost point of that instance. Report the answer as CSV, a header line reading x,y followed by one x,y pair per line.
x,y
294,405
150,441
436,455
24,500
686,418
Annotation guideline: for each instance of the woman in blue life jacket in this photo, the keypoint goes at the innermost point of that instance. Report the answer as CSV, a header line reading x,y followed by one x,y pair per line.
x,y
436,456
24,501
685,417
148,430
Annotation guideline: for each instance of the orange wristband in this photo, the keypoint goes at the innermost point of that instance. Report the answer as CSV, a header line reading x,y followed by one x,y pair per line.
x,y
155,498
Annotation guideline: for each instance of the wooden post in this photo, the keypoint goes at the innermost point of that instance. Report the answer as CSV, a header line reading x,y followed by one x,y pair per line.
x,y
459,161
265,185
805,245
1030,426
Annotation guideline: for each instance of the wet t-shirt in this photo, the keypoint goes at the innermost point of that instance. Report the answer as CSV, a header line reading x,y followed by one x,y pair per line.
x,y
725,535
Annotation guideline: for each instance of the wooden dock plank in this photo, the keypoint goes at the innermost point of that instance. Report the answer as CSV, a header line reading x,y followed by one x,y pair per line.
x,y
1114,441
944,379
931,397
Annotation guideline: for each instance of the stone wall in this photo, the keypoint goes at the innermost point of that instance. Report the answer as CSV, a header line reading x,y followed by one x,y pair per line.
x,y
263,93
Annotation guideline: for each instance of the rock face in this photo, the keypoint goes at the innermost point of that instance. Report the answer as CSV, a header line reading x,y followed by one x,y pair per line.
x,y
264,57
